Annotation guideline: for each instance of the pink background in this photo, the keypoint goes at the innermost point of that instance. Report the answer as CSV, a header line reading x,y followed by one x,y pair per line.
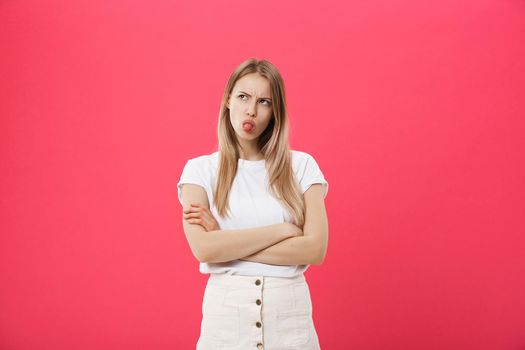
x,y
414,111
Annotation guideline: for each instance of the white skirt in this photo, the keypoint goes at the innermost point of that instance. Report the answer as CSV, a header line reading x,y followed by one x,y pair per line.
x,y
257,312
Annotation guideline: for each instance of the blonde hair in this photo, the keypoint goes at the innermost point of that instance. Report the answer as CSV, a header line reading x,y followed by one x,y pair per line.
x,y
273,144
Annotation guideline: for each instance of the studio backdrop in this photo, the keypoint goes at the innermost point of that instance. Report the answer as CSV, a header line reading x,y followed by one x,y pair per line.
x,y
414,110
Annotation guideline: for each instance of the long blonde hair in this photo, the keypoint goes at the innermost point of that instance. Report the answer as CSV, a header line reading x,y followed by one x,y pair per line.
x,y
273,144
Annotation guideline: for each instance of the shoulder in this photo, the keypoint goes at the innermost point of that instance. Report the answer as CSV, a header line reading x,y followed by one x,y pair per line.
x,y
308,171
299,154
300,158
303,163
204,162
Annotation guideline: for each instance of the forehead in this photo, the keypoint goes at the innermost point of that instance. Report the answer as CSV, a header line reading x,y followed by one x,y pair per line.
x,y
254,84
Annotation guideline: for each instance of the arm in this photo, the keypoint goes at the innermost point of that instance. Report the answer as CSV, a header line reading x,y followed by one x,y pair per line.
x,y
307,249
292,251
226,245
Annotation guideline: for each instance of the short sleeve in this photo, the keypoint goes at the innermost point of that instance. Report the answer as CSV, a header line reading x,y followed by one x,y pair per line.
x,y
191,174
312,174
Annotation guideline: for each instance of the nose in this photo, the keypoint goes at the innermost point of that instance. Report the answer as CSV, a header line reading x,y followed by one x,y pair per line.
x,y
251,109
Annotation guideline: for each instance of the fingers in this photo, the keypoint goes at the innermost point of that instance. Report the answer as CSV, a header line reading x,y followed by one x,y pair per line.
x,y
192,215
194,207
197,214
197,208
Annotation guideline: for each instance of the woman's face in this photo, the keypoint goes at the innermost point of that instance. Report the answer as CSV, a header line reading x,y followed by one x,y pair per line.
x,y
250,101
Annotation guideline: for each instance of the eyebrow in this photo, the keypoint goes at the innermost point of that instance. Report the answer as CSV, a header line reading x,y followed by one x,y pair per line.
x,y
268,98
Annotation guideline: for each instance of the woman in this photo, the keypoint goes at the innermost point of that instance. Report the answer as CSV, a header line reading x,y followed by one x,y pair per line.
x,y
254,216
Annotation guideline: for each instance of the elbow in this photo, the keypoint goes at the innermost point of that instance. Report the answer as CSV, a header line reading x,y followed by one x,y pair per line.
x,y
201,248
319,256
201,254
202,258
206,251
207,256
206,259
318,260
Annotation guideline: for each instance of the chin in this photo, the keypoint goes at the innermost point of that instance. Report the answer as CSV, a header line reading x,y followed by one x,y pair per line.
x,y
242,134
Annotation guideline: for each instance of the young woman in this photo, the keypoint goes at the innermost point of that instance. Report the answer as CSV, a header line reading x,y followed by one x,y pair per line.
x,y
254,216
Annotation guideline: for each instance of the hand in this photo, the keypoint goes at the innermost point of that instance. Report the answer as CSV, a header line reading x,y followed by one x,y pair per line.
x,y
198,214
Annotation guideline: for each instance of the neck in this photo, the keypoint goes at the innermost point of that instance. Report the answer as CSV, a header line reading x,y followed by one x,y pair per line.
x,y
249,150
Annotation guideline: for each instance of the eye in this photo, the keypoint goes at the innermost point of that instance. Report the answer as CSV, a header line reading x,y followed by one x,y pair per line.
x,y
268,103
241,95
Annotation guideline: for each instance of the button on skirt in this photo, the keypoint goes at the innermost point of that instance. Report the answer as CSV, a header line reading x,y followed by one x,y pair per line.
x,y
257,312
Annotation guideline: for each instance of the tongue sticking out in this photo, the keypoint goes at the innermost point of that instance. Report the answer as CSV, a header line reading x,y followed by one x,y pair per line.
x,y
247,127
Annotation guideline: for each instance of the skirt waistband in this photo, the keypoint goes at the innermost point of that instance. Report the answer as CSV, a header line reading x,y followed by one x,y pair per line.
x,y
240,281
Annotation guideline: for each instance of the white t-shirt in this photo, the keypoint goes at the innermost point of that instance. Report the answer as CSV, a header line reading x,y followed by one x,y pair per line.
x,y
251,204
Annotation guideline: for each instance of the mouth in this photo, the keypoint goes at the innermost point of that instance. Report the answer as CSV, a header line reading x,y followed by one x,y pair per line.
x,y
248,125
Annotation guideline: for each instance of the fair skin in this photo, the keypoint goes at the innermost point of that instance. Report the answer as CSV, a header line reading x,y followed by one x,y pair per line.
x,y
224,245
250,99
307,246
279,244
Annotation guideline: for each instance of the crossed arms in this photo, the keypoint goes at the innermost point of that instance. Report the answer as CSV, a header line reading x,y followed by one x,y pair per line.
x,y
277,244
